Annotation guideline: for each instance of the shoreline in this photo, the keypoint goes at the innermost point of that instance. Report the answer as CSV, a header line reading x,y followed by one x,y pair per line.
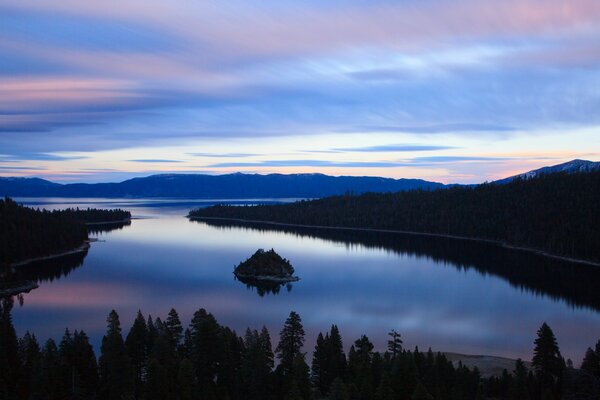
x,y
84,247
122,221
267,278
24,287
441,235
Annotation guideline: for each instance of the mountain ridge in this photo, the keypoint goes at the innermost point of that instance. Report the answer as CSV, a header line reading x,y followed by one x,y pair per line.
x,y
569,167
242,185
236,185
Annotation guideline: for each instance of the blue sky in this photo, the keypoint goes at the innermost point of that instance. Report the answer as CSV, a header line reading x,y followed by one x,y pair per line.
x,y
452,91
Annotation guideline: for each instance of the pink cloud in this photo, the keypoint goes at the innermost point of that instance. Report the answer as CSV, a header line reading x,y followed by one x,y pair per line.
x,y
244,31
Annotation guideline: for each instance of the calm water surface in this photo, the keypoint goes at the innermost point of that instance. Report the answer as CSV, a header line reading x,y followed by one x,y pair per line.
x,y
451,295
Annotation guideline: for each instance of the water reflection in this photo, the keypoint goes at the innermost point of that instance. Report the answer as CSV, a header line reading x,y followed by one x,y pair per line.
x,y
576,284
26,278
96,229
263,287
445,294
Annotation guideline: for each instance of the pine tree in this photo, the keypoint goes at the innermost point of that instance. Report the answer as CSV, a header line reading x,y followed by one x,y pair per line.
x,y
591,363
255,374
291,340
50,379
86,366
518,387
165,354
229,369
547,360
9,356
173,326
66,356
116,378
205,350
30,355
319,365
336,357
301,377
137,347
395,343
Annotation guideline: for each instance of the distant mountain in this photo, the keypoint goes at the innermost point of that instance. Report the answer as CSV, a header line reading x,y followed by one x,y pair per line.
x,y
238,185
570,167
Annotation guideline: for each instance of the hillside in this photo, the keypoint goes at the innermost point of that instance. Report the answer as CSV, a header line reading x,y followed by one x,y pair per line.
x,y
215,186
571,167
555,213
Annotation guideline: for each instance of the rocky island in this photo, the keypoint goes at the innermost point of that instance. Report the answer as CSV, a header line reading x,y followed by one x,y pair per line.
x,y
266,266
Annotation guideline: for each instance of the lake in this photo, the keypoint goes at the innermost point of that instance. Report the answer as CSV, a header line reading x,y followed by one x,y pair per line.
x,y
452,295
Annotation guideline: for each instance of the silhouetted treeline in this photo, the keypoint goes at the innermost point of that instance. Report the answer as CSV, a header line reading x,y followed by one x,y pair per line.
x,y
160,360
575,283
557,213
96,215
28,233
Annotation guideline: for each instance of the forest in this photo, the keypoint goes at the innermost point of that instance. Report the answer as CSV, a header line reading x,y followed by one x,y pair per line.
x,y
555,213
159,360
27,233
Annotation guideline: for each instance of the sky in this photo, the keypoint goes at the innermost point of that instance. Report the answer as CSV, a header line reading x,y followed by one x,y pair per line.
x,y
454,91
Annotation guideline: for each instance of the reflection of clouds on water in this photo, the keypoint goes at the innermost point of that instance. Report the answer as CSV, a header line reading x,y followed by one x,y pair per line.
x,y
450,295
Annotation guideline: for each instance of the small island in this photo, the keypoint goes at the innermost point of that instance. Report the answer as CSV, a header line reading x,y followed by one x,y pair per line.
x,y
266,266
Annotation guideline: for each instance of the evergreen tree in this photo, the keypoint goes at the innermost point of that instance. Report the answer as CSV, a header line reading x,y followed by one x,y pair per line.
x,y
137,347
229,369
165,355
205,350
336,357
301,377
291,340
319,365
9,356
50,379
329,360
116,378
30,356
86,366
547,360
173,326
257,364
66,354
404,375
591,363
395,343
518,385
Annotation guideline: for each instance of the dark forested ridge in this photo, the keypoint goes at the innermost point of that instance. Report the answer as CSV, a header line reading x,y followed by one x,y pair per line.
x,y
159,360
26,233
199,186
556,213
